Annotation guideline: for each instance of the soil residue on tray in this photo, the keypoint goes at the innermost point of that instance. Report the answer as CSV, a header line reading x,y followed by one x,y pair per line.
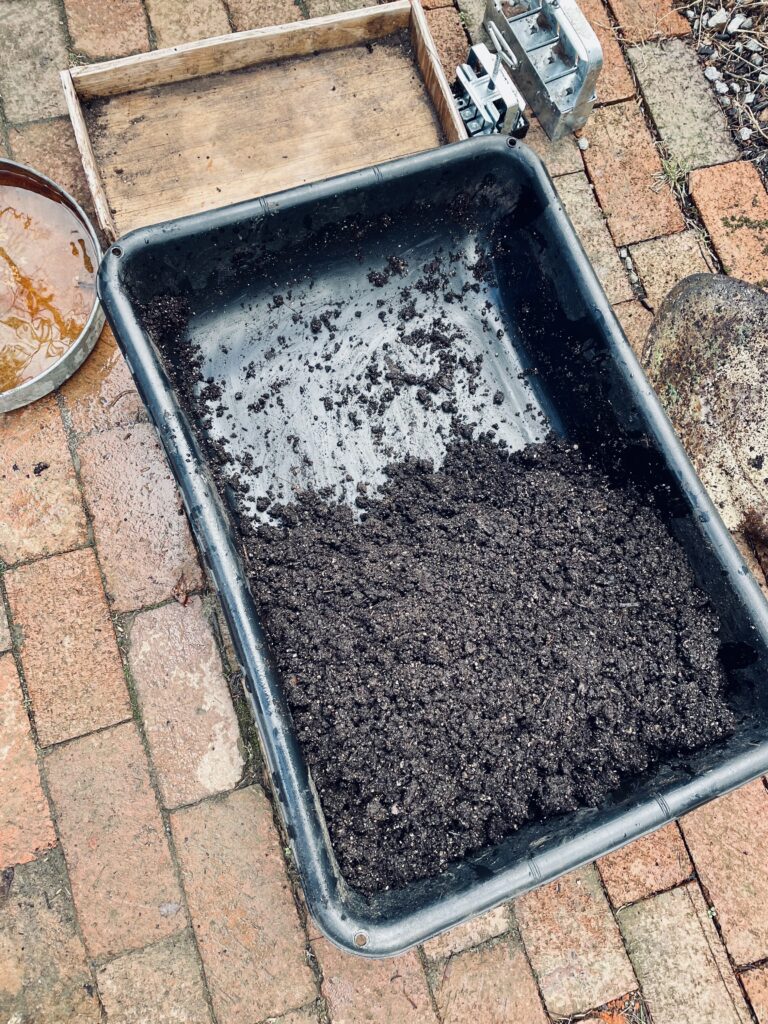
x,y
486,638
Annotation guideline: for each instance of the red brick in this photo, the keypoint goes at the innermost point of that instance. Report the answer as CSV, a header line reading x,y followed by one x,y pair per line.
x,y
160,983
663,262
625,169
248,14
733,204
361,991
649,865
680,962
189,721
635,321
449,37
102,394
728,839
68,649
755,983
107,30
143,540
44,975
574,944
242,909
41,511
493,985
471,933
123,882
641,20
615,82
25,822
183,21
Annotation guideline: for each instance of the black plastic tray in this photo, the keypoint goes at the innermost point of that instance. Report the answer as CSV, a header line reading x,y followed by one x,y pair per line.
x,y
494,196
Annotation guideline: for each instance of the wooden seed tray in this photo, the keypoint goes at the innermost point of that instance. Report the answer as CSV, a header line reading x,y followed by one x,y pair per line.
x,y
209,123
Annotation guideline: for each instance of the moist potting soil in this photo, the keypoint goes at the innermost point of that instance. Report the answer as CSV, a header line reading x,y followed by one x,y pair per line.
x,y
484,639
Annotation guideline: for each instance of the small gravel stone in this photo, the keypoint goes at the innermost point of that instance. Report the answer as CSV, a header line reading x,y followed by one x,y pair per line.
x,y
719,19
749,98
753,45
747,24
735,23
721,87
713,74
583,144
757,60
745,134
735,88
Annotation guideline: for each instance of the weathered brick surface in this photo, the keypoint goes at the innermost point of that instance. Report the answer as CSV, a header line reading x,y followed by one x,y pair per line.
x,y
472,933
373,991
40,506
50,147
183,21
5,630
561,157
450,38
615,82
728,839
143,539
756,984
688,118
672,944
161,983
260,13
636,321
493,985
649,865
662,262
473,13
641,20
581,206
102,394
188,716
321,8
107,30
32,31
44,976
242,909
123,881
574,944
625,169
68,648
305,1016
733,204
25,822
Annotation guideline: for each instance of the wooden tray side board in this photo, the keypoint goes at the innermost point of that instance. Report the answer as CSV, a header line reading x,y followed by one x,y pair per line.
x,y
249,50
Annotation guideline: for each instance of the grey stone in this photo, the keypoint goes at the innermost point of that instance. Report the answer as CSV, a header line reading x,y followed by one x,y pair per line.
x,y
32,32
472,14
719,19
681,104
712,74
709,365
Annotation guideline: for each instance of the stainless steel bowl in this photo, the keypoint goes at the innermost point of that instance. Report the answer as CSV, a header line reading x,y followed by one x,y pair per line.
x,y
55,374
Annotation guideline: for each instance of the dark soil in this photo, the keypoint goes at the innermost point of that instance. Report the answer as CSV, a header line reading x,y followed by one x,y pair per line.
x,y
501,640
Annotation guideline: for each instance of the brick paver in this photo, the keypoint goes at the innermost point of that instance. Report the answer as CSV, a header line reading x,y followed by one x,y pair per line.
x,y
687,116
662,262
464,936
34,51
161,983
649,865
615,82
261,13
188,716
635,321
733,204
144,543
561,157
581,206
123,880
626,170
728,839
50,147
305,1016
242,909
360,991
493,985
40,506
755,983
44,975
25,822
672,945
574,944
641,20
68,648
450,38
107,30
102,394
183,21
